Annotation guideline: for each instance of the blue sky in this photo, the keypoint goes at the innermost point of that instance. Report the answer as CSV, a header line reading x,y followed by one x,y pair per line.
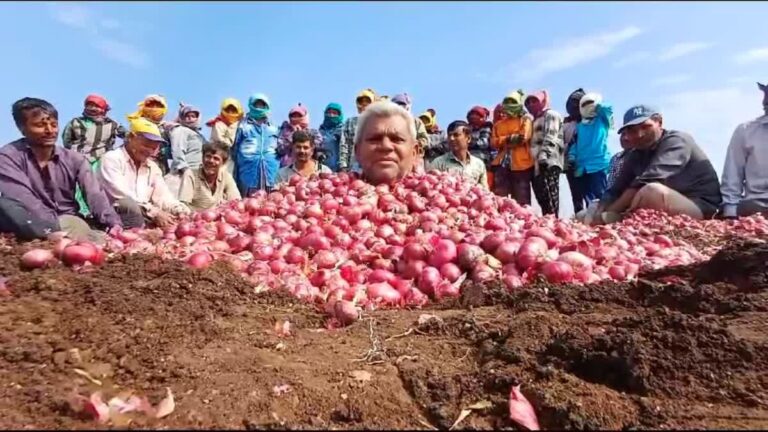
x,y
697,61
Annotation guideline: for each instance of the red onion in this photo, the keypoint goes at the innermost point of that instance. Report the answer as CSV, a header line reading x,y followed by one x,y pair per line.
x,y
37,258
200,260
557,271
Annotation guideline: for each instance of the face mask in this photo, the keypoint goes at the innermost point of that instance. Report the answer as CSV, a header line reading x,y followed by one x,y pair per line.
x,y
258,113
230,118
333,121
154,114
94,112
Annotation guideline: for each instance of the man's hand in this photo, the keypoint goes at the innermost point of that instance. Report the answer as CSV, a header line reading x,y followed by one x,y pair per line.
x,y
163,219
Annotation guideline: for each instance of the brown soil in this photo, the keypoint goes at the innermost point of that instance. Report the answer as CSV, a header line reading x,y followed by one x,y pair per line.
x,y
681,348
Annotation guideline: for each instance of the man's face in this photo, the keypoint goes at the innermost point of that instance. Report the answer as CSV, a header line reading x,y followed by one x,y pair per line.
x,y
141,148
212,161
362,103
474,118
386,150
458,140
643,135
191,117
40,128
302,151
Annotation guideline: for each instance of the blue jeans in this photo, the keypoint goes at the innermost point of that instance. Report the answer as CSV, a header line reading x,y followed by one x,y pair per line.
x,y
592,186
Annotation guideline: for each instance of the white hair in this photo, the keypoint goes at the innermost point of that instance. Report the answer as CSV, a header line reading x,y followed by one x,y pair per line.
x,y
384,109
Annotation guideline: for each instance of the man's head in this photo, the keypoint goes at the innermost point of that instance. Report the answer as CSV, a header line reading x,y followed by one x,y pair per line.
x,y
385,142
303,145
215,155
642,127
478,116
364,98
763,88
189,116
95,106
37,120
459,137
143,141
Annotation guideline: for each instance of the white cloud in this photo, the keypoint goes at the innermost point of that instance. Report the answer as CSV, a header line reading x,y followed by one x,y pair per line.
x,y
682,49
123,52
84,19
711,115
752,56
72,14
670,80
562,55
634,58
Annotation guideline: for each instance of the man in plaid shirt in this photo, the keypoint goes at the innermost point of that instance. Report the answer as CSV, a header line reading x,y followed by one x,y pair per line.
x,y
617,161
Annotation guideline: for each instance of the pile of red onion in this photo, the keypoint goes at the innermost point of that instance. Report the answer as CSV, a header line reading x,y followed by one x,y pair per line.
x,y
345,244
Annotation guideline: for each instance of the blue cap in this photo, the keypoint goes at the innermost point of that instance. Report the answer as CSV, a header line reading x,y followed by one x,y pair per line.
x,y
637,114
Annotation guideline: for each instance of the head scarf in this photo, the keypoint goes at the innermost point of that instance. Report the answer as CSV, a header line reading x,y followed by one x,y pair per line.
x,y
499,114
589,112
226,117
303,120
482,112
151,113
96,114
403,98
542,96
513,104
369,93
183,111
258,113
572,104
331,122
429,117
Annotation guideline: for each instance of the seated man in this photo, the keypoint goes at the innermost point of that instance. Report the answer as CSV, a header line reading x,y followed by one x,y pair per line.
x,y
665,170
385,143
38,181
745,175
303,148
459,159
134,182
211,184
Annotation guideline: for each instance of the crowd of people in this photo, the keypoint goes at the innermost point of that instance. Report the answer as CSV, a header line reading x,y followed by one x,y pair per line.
x,y
162,169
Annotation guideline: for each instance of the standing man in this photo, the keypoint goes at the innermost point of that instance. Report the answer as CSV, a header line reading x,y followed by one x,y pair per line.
x,y
745,175
480,146
548,151
304,164
512,138
38,181
347,161
459,160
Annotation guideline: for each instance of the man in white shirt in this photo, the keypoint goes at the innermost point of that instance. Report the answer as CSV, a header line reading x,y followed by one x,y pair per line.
x,y
134,182
744,184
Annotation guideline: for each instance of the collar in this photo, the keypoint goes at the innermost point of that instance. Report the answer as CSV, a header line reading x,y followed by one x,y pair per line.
x,y
57,151
453,156
219,176
131,161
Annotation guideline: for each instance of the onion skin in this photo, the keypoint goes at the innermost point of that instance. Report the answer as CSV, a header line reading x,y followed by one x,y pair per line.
x,y
37,258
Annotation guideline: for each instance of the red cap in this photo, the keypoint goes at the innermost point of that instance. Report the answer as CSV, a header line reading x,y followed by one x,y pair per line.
x,y
98,100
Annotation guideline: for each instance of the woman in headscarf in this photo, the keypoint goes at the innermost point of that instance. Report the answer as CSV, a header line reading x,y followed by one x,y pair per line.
x,y
422,138
569,138
513,165
590,153
298,119
548,151
255,148
437,139
153,108
186,145
347,161
330,130
480,146
224,126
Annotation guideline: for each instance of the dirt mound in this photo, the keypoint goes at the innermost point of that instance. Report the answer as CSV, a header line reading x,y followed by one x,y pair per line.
x,y
682,347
